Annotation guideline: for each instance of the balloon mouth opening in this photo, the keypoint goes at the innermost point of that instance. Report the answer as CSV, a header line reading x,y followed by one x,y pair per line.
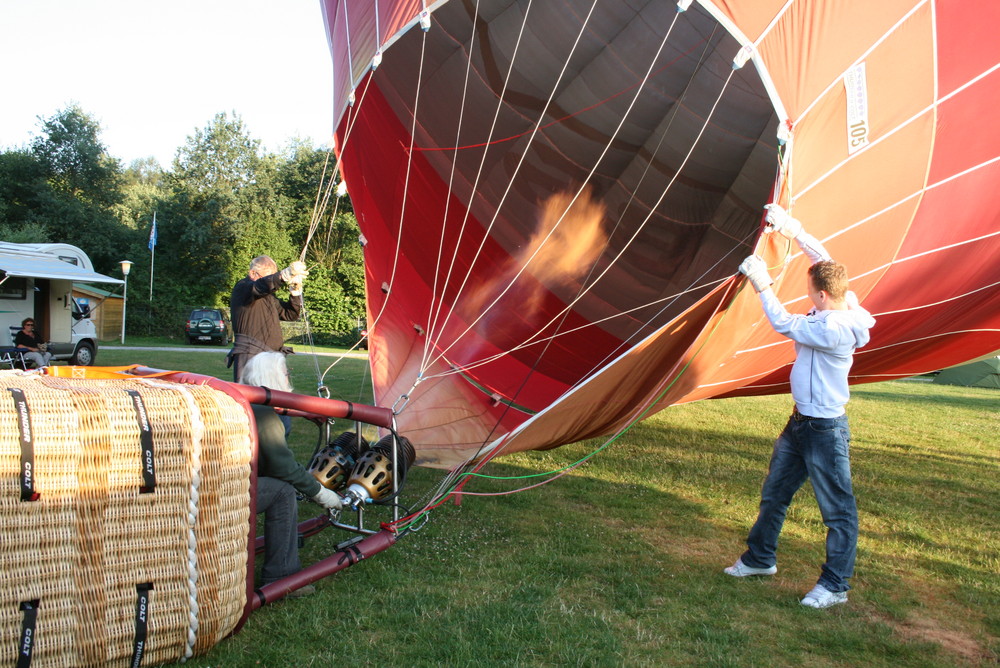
x,y
584,182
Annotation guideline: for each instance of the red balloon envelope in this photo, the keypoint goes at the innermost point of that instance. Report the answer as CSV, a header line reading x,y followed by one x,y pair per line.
x,y
555,197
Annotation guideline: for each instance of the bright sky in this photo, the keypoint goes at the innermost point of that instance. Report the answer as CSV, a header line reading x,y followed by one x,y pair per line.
x,y
152,72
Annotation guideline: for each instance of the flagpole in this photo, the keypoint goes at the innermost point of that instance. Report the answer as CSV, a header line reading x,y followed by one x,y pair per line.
x,y
152,256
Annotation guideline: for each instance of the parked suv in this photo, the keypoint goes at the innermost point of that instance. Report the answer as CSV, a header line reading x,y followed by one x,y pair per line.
x,y
208,324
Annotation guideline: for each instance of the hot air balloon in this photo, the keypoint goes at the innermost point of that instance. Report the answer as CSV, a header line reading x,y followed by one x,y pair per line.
x,y
555,196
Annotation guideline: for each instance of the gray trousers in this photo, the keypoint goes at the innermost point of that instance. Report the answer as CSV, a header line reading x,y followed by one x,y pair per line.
x,y
276,499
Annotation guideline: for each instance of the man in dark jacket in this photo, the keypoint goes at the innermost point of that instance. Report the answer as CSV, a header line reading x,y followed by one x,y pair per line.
x,y
256,312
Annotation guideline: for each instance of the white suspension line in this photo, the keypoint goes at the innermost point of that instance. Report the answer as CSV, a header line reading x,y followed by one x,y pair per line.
x,y
898,260
929,108
517,169
456,471
432,319
322,196
406,187
329,228
642,407
329,187
482,162
929,337
350,56
642,225
646,220
593,169
620,314
903,200
666,301
632,196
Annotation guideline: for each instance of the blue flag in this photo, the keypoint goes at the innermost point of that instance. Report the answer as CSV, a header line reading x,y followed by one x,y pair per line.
x,y
152,233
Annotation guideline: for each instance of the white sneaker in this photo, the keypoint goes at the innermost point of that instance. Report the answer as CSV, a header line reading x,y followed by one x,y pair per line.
x,y
741,570
821,597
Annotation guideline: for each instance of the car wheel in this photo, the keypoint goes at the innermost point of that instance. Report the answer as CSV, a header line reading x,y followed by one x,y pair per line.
x,y
84,355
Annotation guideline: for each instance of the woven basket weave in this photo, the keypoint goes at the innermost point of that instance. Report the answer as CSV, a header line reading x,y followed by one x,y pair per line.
x,y
96,535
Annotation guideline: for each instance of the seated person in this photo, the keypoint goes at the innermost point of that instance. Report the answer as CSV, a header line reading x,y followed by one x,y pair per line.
x,y
279,476
27,338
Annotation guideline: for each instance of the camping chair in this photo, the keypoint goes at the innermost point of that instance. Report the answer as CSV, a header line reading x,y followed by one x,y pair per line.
x,y
11,355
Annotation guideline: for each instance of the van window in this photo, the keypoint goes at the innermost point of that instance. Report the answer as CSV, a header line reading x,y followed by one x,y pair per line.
x,y
15,287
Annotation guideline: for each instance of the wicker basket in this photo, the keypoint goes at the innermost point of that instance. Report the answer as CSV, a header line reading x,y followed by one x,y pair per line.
x,y
103,559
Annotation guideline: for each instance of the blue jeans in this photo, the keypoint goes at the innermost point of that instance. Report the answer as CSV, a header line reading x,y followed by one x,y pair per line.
x,y
818,449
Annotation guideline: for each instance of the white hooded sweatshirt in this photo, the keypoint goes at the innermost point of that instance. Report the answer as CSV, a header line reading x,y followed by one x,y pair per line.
x,y
824,351
824,345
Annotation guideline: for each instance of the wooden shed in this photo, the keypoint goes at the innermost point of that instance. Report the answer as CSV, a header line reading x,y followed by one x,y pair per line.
x,y
105,310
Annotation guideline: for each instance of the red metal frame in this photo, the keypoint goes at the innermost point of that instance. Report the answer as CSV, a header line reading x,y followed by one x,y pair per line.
x,y
302,406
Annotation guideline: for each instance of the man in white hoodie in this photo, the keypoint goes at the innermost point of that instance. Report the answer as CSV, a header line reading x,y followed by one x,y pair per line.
x,y
815,441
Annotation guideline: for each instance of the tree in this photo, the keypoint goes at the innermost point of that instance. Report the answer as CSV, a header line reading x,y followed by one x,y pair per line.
x,y
64,188
23,191
77,161
223,210
144,186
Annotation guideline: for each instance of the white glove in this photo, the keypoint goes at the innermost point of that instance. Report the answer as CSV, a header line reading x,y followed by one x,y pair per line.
x,y
756,272
781,222
295,287
328,499
851,299
293,271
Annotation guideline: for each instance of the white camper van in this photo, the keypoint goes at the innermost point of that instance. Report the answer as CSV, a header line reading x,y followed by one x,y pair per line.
x,y
36,281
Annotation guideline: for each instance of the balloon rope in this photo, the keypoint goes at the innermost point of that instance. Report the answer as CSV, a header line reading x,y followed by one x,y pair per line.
x,y
425,363
579,191
479,172
645,221
322,203
406,187
670,300
320,207
432,319
555,474
448,483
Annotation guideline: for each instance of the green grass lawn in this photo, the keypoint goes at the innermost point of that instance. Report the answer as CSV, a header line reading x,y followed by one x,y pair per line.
x,y
619,562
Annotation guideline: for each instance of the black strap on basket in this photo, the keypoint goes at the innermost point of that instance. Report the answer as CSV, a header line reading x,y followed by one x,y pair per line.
x,y
141,622
29,616
27,440
146,441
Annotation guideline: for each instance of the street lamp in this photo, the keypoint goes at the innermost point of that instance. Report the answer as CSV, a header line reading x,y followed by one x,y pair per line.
x,y
126,267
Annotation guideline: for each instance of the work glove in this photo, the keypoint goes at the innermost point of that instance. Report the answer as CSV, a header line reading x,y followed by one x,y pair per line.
x,y
328,499
781,222
295,287
293,271
756,272
851,299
